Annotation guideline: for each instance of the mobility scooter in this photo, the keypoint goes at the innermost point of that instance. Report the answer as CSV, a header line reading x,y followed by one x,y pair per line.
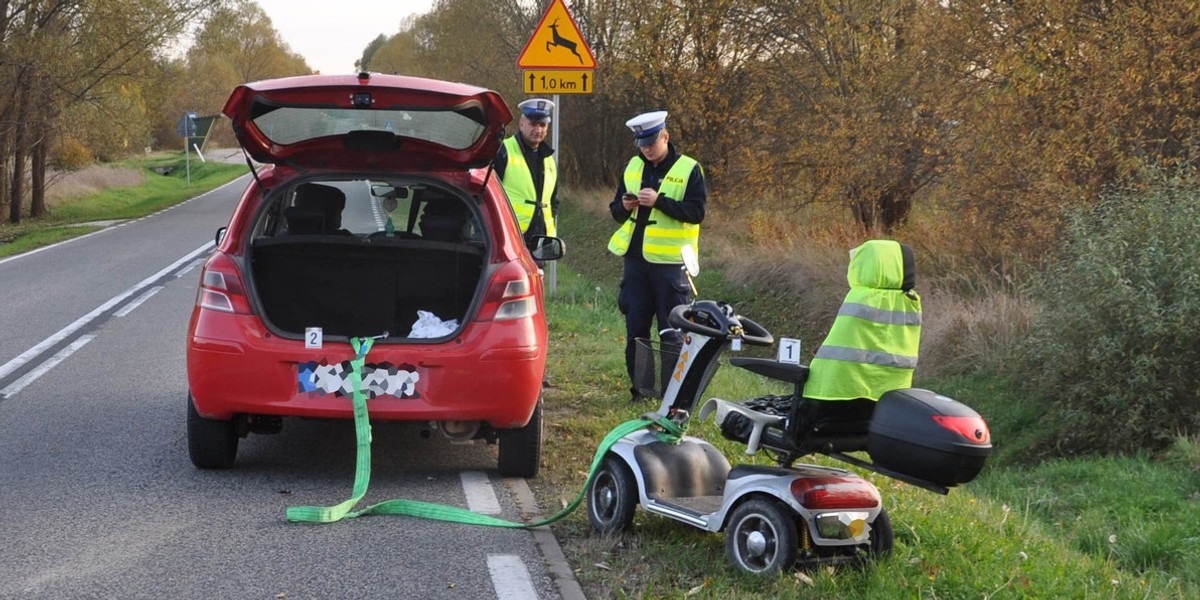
x,y
776,517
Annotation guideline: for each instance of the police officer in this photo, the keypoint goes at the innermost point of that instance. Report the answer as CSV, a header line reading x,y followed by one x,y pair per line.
x,y
659,203
526,168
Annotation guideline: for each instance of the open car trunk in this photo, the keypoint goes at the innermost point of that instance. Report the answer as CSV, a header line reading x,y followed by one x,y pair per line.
x,y
367,270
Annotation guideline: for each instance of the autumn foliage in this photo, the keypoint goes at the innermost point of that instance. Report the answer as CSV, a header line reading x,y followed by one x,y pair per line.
x,y
999,113
84,80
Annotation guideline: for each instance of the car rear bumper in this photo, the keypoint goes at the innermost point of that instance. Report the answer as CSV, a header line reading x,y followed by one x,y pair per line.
x,y
246,370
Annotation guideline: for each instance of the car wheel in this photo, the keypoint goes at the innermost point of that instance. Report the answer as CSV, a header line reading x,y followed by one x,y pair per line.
x,y
212,443
612,496
761,537
521,448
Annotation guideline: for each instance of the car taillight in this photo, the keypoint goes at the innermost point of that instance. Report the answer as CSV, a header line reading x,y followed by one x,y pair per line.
x,y
509,295
834,493
221,286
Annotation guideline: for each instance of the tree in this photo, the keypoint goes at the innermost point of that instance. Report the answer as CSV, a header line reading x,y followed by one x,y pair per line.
x,y
235,44
364,63
58,55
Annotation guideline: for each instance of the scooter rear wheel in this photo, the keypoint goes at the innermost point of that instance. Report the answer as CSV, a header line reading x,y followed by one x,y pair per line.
x,y
761,537
883,537
612,496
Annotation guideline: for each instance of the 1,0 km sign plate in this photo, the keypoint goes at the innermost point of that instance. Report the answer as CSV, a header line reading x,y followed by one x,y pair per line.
x,y
559,82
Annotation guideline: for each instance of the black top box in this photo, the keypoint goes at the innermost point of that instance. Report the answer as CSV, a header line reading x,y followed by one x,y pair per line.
x,y
929,436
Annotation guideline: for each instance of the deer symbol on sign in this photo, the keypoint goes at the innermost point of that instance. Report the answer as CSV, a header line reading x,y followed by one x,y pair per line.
x,y
561,41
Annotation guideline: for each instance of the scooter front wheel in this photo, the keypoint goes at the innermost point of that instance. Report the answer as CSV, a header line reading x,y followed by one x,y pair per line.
x,y
761,537
612,496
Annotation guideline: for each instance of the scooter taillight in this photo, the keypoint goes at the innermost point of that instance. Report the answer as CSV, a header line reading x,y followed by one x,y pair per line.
x,y
972,428
822,493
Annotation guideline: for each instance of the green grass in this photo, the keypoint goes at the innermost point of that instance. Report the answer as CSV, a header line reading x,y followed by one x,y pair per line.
x,y
154,193
1022,530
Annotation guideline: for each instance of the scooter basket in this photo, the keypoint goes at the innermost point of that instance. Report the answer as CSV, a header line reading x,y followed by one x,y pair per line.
x,y
653,363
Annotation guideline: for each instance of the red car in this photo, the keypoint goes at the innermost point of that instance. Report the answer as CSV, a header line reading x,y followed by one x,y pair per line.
x,y
376,215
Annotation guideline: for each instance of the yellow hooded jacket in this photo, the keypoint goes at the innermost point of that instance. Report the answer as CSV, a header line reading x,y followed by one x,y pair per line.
x,y
872,346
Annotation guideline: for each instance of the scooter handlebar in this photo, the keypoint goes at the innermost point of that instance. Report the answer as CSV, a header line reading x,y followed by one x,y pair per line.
x,y
703,317
717,320
755,334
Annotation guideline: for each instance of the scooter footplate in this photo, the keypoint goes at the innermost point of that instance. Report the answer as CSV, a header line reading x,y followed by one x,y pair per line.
x,y
697,506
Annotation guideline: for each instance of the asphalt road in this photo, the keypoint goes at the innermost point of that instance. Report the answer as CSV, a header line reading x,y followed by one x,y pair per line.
x,y
98,498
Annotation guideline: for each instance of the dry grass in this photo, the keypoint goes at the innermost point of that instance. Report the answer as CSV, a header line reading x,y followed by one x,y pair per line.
x,y
971,310
961,332
65,185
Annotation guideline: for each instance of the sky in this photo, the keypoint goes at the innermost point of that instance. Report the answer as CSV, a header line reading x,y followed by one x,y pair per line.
x,y
331,35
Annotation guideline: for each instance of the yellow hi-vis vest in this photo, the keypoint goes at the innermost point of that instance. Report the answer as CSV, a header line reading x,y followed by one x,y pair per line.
x,y
872,346
518,185
664,236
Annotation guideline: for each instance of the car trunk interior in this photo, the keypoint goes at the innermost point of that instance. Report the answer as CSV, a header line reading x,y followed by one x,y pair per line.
x,y
359,282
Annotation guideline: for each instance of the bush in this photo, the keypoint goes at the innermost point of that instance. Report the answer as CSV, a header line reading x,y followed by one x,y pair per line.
x,y
1114,346
70,155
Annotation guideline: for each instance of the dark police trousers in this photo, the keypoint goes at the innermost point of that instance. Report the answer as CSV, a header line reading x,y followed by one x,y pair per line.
x,y
650,291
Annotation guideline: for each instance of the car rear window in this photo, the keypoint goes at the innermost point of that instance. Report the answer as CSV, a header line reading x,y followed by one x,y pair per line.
x,y
372,209
444,127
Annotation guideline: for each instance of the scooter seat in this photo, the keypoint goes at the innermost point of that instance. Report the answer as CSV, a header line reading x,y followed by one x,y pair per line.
x,y
788,372
779,424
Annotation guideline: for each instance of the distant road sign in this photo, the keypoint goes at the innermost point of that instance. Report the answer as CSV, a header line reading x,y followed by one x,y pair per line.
x,y
559,82
556,43
186,125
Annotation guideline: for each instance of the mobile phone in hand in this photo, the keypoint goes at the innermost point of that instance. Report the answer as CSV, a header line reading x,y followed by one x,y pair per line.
x,y
629,197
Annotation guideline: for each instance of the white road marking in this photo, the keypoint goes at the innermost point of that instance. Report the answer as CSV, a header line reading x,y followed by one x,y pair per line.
x,y
510,577
377,214
188,269
66,332
481,497
128,308
43,368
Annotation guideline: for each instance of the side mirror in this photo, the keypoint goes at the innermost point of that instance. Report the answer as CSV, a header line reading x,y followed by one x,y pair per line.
x,y
691,266
691,262
220,235
544,247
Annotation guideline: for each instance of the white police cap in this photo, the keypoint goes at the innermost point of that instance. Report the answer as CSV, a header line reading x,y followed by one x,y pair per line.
x,y
646,126
537,110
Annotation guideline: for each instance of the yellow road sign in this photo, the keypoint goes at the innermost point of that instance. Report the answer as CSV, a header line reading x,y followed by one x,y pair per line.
x,y
559,82
556,43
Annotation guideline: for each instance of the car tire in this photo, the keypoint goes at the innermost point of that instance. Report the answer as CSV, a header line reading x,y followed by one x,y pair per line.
x,y
612,497
521,448
212,443
761,538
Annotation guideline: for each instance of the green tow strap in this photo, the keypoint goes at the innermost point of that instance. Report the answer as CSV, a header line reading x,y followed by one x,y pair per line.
x,y
669,432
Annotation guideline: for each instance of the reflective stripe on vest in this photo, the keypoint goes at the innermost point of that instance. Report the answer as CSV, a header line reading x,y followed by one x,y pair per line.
x,y
887,317
882,359
518,185
664,236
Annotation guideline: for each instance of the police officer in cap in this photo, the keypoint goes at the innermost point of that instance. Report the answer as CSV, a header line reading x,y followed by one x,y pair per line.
x,y
659,203
526,168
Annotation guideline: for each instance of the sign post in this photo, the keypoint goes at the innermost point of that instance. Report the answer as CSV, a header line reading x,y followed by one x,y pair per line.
x,y
186,128
556,60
